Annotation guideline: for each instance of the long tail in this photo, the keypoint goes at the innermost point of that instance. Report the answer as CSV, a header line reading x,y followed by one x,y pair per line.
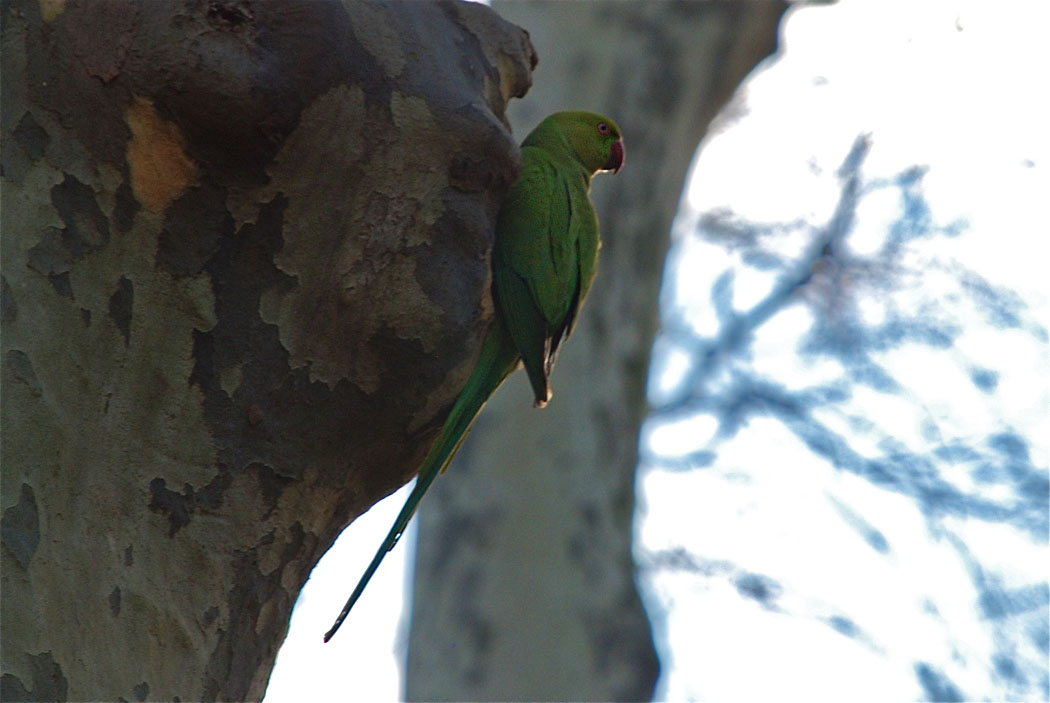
x,y
498,358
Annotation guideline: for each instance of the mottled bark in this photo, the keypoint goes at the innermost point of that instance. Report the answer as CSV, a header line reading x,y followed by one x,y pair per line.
x,y
525,580
245,274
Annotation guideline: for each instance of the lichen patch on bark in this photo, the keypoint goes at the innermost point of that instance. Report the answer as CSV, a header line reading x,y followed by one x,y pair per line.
x,y
51,9
378,36
371,239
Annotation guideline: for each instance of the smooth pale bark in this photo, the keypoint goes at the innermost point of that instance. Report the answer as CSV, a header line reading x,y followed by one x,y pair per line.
x,y
244,276
525,581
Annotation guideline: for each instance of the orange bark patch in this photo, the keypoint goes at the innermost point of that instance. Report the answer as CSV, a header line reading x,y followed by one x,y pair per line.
x,y
160,168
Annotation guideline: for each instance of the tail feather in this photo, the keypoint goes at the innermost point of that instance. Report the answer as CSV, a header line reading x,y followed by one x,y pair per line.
x,y
498,359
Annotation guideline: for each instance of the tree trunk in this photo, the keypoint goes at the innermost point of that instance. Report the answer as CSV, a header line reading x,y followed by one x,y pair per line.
x,y
525,580
245,275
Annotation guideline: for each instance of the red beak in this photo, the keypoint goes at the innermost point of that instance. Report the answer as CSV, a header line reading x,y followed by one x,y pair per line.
x,y
615,162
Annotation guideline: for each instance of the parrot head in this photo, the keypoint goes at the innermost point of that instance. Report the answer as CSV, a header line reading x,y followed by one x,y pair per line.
x,y
595,140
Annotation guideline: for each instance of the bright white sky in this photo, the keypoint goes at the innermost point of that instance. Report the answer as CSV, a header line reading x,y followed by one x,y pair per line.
x,y
950,84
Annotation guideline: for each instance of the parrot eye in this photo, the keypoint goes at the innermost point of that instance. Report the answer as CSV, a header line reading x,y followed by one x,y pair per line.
x,y
603,128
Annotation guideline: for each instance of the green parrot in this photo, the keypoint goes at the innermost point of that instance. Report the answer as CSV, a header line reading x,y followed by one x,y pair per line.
x,y
543,263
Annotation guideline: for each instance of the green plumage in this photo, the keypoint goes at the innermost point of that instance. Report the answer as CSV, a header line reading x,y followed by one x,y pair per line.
x,y
543,263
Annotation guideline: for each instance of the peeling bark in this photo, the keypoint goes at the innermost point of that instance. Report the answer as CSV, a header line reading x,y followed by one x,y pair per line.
x,y
245,274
